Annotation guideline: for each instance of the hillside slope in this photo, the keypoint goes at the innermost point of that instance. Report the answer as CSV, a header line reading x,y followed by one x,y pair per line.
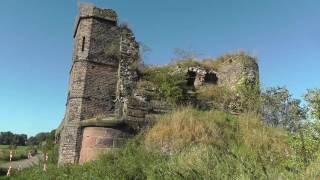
x,y
193,144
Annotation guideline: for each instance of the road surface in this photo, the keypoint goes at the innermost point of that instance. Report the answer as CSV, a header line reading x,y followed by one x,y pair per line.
x,y
22,164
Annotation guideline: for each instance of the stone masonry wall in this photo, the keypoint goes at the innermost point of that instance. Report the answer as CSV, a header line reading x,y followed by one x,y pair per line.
x,y
71,134
101,77
233,70
103,108
93,76
129,57
98,140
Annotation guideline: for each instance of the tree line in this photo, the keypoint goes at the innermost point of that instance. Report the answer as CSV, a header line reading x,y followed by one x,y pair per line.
x,y
280,109
9,138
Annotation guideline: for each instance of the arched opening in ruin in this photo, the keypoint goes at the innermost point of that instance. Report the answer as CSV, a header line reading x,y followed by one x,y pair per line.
x,y
191,78
211,78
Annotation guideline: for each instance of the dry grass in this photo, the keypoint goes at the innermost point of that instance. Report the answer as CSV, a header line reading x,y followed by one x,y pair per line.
x,y
217,97
312,171
212,64
242,56
216,63
186,127
194,135
220,94
256,135
269,144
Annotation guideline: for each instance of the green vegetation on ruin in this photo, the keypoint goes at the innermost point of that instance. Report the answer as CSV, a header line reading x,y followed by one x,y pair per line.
x,y
169,82
268,138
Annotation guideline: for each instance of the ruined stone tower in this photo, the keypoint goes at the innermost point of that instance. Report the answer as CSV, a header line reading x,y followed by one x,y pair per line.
x,y
104,104
98,86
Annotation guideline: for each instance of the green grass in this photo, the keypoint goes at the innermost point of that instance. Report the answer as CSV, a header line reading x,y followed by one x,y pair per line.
x,y
19,152
192,144
18,147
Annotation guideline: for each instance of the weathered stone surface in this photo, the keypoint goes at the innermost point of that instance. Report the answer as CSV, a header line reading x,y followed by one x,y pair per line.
x,y
97,140
102,78
233,70
103,107
93,76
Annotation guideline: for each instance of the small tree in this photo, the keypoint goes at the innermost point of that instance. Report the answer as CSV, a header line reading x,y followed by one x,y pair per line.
x,y
280,109
313,98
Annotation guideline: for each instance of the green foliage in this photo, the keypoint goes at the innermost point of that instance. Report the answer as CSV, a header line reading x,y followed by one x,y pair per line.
x,y
313,98
168,84
309,148
281,110
274,104
246,98
19,152
9,138
217,97
41,137
52,150
249,96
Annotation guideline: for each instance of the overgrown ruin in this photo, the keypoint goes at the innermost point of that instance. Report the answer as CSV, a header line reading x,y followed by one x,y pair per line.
x,y
104,107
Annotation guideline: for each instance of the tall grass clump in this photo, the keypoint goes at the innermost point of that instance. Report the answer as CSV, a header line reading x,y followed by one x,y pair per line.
x,y
186,127
169,86
216,97
220,145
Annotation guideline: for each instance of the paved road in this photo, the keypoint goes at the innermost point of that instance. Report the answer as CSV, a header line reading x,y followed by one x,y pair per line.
x,y
25,163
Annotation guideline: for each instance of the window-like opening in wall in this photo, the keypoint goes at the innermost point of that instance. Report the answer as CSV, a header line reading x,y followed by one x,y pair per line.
x,y
83,41
191,78
211,78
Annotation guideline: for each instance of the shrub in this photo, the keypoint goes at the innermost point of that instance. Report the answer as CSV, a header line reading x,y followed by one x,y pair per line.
x,y
249,94
218,97
170,85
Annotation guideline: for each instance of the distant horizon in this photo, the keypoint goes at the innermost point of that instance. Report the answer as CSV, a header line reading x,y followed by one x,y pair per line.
x,y
37,46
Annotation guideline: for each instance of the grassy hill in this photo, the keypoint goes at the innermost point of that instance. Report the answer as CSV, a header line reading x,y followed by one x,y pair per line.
x,y
193,144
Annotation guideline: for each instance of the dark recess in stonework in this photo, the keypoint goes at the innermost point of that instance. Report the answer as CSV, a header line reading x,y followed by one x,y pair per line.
x,y
83,41
191,78
211,78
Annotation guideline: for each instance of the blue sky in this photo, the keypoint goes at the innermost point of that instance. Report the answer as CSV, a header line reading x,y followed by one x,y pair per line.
x,y
36,46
